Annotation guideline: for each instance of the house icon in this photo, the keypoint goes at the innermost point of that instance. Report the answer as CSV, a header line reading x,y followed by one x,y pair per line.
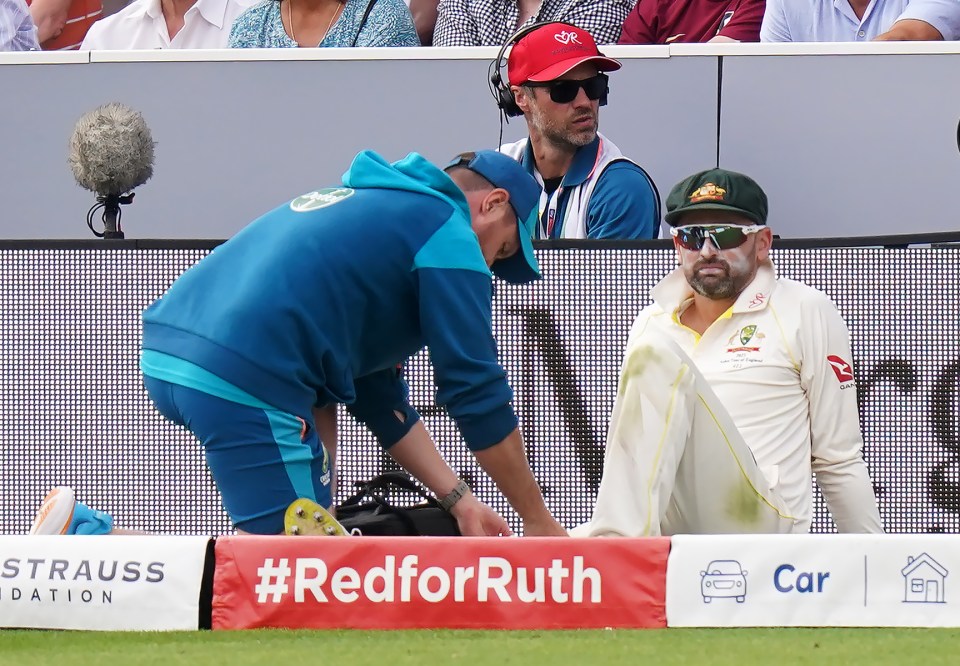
x,y
923,580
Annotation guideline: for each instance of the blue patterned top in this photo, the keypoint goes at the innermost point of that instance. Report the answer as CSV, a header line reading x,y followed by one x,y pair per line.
x,y
389,24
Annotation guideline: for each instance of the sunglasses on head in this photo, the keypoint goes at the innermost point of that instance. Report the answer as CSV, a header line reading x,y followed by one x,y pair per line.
x,y
723,236
564,91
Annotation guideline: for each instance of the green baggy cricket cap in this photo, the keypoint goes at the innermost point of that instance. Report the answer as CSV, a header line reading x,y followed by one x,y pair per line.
x,y
717,189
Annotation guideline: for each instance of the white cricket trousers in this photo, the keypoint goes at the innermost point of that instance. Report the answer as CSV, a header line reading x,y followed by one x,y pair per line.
x,y
675,463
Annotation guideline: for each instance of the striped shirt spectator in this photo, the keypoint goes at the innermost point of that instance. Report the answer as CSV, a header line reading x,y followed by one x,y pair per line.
x,y
62,24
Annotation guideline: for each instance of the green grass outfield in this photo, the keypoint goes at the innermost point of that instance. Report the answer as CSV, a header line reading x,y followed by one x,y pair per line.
x,y
658,647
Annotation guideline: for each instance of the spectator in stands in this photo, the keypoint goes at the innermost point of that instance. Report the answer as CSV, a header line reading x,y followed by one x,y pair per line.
x,y
556,80
424,14
676,21
316,303
309,23
17,31
62,24
180,24
735,386
492,22
860,20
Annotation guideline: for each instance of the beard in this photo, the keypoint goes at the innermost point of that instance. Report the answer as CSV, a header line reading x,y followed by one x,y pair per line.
x,y
560,135
718,286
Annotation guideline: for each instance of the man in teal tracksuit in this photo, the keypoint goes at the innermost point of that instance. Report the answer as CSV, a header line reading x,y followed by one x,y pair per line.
x,y
316,303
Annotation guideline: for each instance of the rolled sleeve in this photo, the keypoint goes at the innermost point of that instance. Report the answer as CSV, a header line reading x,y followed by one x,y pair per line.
x,y
482,432
382,406
944,15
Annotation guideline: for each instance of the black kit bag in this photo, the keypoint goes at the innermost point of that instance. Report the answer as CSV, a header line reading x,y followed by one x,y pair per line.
x,y
370,512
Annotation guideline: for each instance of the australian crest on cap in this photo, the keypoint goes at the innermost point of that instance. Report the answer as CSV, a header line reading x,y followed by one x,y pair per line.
x,y
707,192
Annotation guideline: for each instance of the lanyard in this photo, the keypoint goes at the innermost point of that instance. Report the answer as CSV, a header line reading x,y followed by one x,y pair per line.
x,y
551,203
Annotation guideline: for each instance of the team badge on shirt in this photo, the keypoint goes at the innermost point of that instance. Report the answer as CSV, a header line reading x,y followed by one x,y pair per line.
x,y
747,339
320,199
842,369
744,348
325,468
725,20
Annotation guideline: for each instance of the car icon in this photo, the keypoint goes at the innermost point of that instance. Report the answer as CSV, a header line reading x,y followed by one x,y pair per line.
x,y
723,579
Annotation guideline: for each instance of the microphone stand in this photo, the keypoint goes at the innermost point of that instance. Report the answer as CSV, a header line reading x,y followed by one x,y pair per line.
x,y
111,215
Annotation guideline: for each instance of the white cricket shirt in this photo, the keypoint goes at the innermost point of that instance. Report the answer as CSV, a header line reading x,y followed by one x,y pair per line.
x,y
780,362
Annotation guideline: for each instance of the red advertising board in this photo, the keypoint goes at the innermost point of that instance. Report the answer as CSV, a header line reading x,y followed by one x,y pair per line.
x,y
426,582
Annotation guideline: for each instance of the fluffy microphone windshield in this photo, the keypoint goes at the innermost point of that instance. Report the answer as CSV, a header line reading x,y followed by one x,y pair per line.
x,y
111,150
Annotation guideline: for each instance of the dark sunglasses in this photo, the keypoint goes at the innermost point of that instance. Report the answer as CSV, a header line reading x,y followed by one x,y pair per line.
x,y
723,236
565,91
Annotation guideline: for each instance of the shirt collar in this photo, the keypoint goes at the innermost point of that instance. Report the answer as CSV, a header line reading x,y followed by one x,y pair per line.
x,y
583,164
150,8
581,168
843,6
674,290
213,11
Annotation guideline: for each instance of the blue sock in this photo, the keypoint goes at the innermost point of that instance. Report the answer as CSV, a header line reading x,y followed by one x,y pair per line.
x,y
88,521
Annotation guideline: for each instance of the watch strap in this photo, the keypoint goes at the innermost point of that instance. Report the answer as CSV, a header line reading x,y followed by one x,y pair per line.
x,y
447,502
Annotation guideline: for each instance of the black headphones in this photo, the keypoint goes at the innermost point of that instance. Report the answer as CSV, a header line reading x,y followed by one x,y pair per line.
x,y
499,87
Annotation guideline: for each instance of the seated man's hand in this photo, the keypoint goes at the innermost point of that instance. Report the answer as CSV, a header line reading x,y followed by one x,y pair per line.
x,y
474,518
911,30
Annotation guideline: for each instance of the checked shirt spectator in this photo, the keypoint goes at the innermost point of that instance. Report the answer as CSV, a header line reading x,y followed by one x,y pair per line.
x,y
491,22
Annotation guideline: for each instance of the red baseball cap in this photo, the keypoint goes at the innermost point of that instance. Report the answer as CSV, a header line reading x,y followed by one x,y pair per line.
x,y
553,50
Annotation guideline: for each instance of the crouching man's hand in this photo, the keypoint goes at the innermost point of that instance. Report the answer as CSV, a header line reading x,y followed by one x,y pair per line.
x,y
477,519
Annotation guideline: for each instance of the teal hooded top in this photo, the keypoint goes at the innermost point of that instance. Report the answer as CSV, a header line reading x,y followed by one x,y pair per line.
x,y
321,299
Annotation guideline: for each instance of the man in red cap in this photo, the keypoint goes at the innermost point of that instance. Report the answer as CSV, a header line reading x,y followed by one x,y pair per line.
x,y
557,81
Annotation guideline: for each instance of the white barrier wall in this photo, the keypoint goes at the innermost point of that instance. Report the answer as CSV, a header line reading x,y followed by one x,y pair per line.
x,y
812,581
848,139
847,144
131,583
237,138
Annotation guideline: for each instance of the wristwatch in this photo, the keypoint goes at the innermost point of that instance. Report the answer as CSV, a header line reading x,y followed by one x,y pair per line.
x,y
446,503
